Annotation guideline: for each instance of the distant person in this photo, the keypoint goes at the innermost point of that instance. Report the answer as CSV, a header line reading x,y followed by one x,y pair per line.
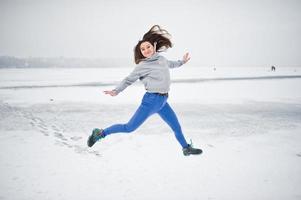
x,y
273,68
153,70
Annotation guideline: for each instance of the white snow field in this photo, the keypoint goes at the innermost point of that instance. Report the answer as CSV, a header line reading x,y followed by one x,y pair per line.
x,y
246,120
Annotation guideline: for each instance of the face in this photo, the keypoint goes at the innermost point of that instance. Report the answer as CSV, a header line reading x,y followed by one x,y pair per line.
x,y
147,49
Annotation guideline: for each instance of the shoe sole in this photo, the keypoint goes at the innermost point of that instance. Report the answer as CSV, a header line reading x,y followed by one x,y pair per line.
x,y
90,141
188,154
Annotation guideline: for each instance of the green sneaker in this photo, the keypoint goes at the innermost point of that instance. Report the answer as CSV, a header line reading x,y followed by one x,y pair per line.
x,y
189,150
96,135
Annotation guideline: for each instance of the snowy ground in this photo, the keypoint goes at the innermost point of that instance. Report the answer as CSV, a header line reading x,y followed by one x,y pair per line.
x,y
248,128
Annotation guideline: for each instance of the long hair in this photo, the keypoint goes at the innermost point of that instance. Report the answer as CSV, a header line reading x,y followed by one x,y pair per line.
x,y
158,37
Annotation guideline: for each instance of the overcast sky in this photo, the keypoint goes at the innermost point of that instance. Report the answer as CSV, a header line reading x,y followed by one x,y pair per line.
x,y
224,32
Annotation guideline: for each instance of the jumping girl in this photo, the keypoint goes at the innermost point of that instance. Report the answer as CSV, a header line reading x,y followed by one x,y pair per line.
x,y
153,70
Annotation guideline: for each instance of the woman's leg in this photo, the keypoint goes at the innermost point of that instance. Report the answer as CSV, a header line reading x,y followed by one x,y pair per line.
x,y
149,105
169,116
142,113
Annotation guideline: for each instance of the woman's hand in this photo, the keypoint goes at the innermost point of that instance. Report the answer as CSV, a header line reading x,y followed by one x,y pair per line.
x,y
186,57
110,92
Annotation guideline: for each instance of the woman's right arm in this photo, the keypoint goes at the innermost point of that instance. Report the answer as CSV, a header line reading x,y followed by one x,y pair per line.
x,y
127,81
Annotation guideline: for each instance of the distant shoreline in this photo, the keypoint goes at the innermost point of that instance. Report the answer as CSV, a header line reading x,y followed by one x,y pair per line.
x,y
198,80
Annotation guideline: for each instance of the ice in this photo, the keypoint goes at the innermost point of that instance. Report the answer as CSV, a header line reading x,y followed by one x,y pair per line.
x,y
249,130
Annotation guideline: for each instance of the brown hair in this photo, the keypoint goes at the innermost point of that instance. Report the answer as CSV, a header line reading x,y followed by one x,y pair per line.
x,y
155,35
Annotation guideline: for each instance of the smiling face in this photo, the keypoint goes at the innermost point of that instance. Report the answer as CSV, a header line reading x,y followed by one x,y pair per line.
x,y
147,49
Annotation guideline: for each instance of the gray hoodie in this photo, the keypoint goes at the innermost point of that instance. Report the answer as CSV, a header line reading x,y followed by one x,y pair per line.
x,y
153,72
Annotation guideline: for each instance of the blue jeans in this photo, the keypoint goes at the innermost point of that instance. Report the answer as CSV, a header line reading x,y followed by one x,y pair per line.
x,y
151,103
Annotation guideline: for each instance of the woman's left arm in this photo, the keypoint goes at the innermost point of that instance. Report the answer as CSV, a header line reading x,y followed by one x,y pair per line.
x,y
174,64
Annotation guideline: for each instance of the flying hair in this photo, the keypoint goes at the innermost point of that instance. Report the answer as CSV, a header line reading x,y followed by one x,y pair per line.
x,y
158,37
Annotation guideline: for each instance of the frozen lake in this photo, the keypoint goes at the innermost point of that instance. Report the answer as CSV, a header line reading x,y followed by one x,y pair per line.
x,y
246,120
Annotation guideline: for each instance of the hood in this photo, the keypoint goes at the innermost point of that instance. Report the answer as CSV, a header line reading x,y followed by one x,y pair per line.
x,y
152,58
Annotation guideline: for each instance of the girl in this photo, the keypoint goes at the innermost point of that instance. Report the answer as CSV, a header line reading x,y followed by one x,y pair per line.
x,y
153,70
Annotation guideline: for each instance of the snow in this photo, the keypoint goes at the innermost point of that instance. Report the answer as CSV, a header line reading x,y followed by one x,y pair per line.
x,y
249,130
